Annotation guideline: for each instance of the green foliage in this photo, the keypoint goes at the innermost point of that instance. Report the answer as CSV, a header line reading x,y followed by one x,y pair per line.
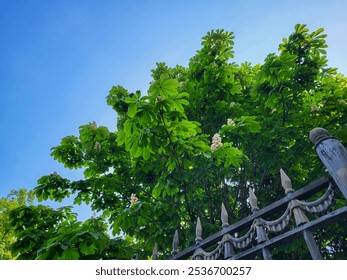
x,y
201,135
15,199
44,233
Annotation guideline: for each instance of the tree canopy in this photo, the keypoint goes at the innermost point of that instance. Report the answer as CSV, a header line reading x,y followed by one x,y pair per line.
x,y
16,199
200,136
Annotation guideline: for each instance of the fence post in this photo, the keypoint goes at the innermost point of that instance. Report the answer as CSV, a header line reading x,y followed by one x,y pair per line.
x,y
312,245
333,155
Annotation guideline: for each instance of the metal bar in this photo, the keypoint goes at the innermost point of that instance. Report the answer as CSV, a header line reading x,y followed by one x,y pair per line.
x,y
302,193
330,218
266,254
312,245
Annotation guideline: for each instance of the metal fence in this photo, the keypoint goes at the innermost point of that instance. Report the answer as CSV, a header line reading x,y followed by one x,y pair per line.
x,y
260,235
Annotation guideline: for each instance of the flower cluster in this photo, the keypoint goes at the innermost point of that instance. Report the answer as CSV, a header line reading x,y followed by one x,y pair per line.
x,y
133,199
216,142
230,122
315,108
93,124
160,98
97,146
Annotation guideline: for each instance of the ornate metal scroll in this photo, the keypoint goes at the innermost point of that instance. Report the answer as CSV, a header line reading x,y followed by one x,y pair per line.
x,y
321,205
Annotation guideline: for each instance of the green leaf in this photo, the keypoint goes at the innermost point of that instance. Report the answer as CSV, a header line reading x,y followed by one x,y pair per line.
x,y
250,123
88,249
201,145
164,87
169,87
70,254
233,157
157,190
132,110
130,127
146,152
102,133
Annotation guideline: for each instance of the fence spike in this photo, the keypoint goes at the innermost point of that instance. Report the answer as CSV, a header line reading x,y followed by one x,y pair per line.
x,y
175,243
224,216
299,215
253,201
155,251
198,231
286,182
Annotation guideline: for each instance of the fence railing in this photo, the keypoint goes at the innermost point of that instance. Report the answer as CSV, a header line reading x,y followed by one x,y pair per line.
x,y
261,235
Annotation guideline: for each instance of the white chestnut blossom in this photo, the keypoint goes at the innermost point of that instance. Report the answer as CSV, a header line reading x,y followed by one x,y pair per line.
x,y
315,108
93,124
133,199
216,142
160,98
97,146
230,122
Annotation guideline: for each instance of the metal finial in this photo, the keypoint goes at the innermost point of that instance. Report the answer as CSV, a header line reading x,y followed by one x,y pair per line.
x,y
224,216
175,243
286,182
318,133
253,201
155,251
198,231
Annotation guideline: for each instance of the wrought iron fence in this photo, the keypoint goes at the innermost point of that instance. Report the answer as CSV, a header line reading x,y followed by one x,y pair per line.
x,y
262,235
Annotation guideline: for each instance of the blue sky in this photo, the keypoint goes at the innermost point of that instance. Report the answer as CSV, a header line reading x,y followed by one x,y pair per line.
x,y
59,59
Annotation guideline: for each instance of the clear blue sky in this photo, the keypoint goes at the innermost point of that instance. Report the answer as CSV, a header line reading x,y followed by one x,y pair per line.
x,y
59,59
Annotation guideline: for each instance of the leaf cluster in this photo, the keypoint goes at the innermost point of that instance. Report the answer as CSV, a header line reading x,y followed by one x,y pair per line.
x,y
15,199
